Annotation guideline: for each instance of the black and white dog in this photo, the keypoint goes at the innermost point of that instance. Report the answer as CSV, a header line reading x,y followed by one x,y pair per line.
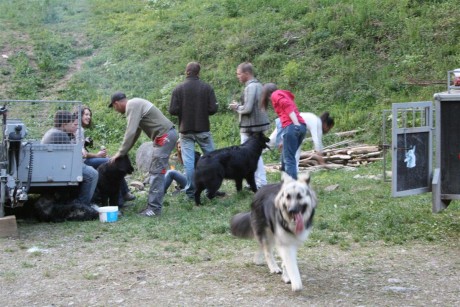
x,y
281,215
234,162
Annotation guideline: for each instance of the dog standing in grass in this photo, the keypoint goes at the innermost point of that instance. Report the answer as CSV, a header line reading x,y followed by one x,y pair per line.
x,y
282,216
234,162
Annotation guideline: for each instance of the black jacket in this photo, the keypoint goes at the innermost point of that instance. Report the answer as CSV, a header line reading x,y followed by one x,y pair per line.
x,y
193,101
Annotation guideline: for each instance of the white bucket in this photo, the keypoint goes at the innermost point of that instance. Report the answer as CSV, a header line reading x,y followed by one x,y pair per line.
x,y
108,214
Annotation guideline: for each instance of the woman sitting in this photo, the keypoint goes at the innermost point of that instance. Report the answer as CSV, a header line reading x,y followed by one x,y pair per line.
x,y
96,159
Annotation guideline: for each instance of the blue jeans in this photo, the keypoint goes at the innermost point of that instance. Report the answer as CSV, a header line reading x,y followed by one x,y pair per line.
x,y
292,139
158,167
88,186
187,142
173,175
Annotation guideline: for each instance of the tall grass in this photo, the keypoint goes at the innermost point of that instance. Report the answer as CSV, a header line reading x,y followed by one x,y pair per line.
x,y
352,57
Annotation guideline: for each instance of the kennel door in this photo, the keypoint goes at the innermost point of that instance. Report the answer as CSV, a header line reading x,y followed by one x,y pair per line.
x,y
411,148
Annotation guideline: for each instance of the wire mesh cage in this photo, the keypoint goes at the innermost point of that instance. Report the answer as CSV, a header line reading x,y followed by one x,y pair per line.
x,y
38,116
40,142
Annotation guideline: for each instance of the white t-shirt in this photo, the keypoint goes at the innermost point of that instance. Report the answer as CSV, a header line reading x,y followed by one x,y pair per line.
x,y
314,128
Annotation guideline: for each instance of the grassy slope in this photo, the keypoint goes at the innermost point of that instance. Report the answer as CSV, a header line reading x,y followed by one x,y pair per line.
x,y
351,57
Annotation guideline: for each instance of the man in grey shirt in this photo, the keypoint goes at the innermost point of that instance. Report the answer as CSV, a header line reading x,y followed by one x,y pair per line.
x,y
142,115
63,132
252,118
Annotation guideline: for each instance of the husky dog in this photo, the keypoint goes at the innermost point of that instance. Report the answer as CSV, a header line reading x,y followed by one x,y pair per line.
x,y
234,162
282,216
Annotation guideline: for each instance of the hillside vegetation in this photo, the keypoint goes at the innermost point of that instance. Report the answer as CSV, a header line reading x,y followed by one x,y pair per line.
x,y
353,58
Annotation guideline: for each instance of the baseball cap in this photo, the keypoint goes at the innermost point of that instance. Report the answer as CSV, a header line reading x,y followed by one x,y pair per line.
x,y
456,72
116,97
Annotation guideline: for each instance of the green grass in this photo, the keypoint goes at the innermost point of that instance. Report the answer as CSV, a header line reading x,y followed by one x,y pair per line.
x,y
360,211
353,58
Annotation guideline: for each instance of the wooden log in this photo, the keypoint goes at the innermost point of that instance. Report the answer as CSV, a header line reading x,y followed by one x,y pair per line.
x,y
368,159
306,154
424,83
343,151
340,134
372,154
346,133
308,163
337,157
351,155
362,150
326,166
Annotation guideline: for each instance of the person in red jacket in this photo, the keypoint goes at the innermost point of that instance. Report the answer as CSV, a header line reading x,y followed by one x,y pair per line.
x,y
293,125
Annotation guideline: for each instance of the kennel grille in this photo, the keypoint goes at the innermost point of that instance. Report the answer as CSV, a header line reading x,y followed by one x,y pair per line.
x,y
38,115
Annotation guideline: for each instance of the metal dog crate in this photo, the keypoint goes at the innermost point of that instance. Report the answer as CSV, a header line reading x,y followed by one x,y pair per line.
x,y
446,177
27,165
412,149
52,164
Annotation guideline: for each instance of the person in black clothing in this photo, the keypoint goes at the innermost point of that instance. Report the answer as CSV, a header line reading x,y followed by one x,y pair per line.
x,y
193,101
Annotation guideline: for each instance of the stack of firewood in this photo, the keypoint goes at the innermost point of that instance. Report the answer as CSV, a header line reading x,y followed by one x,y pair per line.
x,y
347,156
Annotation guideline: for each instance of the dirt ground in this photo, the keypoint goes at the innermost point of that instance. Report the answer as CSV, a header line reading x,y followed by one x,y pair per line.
x,y
73,272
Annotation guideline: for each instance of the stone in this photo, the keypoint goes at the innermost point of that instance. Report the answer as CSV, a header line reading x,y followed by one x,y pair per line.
x,y
144,156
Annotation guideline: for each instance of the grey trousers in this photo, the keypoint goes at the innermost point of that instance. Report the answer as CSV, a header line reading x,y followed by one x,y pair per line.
x,y
158,167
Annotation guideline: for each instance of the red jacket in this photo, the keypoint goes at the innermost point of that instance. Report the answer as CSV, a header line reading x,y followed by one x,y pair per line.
x,y
283,104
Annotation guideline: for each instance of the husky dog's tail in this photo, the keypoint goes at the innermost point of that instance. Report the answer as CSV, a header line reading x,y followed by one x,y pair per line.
x,y
241,225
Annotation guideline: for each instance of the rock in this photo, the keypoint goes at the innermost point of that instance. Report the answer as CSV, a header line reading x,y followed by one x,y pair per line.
x,y
331,188
137,185
398,289
144,156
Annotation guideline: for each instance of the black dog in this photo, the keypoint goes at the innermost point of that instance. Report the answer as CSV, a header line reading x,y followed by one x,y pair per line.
x,y
110,177
234,162
49,209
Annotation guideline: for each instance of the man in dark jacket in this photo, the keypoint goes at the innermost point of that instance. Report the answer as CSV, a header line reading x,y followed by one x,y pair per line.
x,y
193,101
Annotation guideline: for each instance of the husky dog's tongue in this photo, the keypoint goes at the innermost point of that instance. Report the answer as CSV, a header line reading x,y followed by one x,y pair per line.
x,y
299,226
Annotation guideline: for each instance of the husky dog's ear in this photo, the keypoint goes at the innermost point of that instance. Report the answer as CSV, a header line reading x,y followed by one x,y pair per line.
x,y
304,178
285,178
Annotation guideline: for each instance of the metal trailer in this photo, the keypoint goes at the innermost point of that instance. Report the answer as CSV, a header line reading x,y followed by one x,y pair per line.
x,y
26,165
446,176
413,125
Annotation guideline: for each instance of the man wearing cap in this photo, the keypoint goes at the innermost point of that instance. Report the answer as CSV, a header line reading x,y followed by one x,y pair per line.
x,y
142,115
